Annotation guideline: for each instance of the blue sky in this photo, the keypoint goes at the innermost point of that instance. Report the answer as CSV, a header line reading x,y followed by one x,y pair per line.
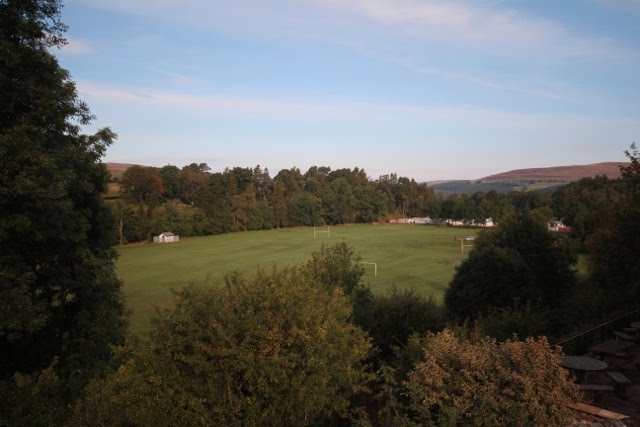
x,y
426,89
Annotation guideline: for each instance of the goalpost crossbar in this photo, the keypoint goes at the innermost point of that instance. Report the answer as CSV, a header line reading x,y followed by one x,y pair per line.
x,y
375,267
327,231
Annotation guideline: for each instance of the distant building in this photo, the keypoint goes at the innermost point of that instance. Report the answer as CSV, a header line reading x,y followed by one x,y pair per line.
x,y
558,226
487,223
420,220
415,220
166,237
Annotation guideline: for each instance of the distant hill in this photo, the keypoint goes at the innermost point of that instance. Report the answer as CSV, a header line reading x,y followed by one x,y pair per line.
x,y
559,173
540,179
118,169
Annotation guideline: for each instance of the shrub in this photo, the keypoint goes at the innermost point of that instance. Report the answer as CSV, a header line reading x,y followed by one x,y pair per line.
x,y
515,383
271,350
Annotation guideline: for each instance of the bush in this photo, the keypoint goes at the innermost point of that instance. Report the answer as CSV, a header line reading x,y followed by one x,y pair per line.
x,y
393,317
272,350
522,320
514,383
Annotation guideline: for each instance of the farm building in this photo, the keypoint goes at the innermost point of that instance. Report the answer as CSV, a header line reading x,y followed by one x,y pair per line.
x,y
416,220
558,226
166,237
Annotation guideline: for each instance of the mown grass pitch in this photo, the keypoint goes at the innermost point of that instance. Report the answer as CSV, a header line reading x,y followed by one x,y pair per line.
x,y
408,256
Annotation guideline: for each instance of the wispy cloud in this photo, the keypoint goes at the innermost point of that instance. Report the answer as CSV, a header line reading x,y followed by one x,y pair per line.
x,y
356,111
484,26
480,26
474,78
77,47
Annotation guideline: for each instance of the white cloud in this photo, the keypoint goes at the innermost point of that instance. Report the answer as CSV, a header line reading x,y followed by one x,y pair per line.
x,y
77,47
480,26
568,126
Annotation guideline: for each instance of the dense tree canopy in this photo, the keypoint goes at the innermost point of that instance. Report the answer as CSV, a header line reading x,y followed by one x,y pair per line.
x,y
59,297
518,261
490,277
615,246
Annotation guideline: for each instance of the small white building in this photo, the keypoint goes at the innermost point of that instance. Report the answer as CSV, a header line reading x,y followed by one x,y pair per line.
x,y
420,220
487,223
166,237
415,220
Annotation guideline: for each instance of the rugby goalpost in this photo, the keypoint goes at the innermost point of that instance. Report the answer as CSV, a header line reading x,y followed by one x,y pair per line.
x,y
469,240
375,267
327,231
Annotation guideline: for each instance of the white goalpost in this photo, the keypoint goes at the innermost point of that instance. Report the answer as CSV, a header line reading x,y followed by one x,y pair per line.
x,y
327,231
375,267
465,242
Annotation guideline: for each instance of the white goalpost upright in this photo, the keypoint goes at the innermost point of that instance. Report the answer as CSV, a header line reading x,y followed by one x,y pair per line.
x,y
327,231
375,267
465,242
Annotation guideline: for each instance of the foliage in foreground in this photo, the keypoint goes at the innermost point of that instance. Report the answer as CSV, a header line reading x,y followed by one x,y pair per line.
x,y
275,349
60,300
515,383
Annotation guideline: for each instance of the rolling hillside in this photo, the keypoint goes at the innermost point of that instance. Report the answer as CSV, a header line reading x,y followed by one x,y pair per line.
x,y
558,173
541,179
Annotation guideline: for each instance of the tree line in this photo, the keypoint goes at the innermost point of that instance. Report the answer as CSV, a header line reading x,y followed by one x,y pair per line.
x,y
194,201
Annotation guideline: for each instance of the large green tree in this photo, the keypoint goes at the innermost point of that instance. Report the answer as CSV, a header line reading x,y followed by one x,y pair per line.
x,y
59,296
518,261
614,247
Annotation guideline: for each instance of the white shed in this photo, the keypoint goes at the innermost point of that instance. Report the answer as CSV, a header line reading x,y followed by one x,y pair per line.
x,y
166,237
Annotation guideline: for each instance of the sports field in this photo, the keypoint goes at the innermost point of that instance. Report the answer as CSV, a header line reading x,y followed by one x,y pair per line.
x,y
409,256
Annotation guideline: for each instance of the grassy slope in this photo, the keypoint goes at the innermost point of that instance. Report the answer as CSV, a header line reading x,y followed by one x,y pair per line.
x,y
409,256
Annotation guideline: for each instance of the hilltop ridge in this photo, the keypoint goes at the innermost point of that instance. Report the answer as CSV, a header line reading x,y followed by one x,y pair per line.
x,y
565,173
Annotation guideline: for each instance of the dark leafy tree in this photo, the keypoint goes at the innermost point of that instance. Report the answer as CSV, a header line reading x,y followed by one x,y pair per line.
x,y
583,204
339,202
59,296
279,204
614,248
517,262
262,182
306,209
192,179
550,259
170,176
490,277
141,184
391,318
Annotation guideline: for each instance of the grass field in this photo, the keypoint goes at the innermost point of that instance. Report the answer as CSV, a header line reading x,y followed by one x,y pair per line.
x,y
408,256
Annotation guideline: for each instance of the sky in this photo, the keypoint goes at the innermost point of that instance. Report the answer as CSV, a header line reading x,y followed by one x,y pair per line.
x,y
426,89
